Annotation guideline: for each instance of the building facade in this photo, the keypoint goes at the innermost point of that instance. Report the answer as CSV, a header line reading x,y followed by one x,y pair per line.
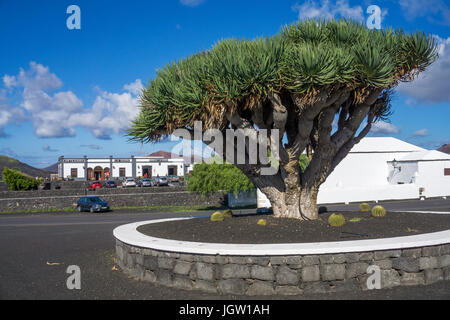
x,y
111,168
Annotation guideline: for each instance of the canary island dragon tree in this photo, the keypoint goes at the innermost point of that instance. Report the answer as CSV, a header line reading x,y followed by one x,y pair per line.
x,y
321,84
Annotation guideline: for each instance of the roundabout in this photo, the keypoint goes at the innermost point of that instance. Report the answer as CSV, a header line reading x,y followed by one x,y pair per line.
x,y
281,268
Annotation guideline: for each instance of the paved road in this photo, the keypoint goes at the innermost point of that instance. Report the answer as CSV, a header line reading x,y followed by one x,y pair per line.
x,y
35,250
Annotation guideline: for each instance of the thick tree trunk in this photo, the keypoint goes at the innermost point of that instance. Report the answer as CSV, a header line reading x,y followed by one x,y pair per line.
x,y
308,203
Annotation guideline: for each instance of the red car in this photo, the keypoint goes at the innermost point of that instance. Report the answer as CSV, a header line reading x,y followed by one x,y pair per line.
x,y
94,185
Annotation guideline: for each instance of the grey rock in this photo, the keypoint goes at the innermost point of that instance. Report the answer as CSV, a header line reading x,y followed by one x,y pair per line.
x,y
316,287
206,286
232,286
446,273
286,276
288,290
352,257
237,260
278,260
412,279
260,288
380,255
149,276
413,253
311,273
164,277
204,271
235,271
406,264
344,286
310,260
332,272
182,282
165,263
262,273
294,260
444,261
326,259
356,269
383,264
261,261
366,256
428,263
433,275
389,279
431,251
151,263
182,267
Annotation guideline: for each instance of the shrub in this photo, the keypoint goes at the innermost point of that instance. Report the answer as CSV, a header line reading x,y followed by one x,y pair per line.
x,y
228,213
336,220
322,209
217,216
364,207
378,211
17,181
262,222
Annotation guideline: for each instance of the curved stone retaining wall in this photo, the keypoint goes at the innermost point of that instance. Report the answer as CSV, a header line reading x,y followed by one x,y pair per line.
x,y
286,274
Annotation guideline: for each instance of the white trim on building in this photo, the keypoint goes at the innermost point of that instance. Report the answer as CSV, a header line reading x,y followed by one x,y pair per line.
x,y
109,168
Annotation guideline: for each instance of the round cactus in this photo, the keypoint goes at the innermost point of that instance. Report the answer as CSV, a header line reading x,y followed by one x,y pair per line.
x,y
378,211
228,213
262,222
217,216
336,220
364,207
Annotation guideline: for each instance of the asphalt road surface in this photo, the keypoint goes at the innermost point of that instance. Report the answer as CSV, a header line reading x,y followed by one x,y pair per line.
x,y
36,249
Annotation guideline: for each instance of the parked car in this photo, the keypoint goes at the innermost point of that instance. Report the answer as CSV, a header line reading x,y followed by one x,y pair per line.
x,y
92,204
129,182
162,181
146,182
110,184
173,178
95,185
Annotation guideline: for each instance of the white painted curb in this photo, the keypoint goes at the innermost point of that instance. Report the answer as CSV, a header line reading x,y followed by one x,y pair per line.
x,y
129,235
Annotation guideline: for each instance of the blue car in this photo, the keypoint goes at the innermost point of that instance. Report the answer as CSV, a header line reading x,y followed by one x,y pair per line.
x,y
92,204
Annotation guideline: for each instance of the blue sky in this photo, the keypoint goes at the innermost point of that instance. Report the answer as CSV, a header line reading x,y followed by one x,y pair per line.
x,y
56,83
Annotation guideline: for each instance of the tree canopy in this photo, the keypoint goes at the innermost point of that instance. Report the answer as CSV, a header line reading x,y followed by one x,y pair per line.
x,y
303,81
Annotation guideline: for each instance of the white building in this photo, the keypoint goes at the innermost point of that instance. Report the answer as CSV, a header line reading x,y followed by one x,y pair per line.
x,y
385,168
109,168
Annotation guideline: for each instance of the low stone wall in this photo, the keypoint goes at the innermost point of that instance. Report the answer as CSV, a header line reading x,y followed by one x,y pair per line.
x,y
284,275
49,199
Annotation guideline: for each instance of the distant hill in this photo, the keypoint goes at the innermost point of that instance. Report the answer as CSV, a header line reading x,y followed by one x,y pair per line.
x,y
53,168
445,148
22,167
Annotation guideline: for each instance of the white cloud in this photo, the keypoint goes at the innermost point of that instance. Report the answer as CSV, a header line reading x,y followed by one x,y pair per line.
x,y
191,3
421,133
432,85
436,11
328,9
384,128
58,114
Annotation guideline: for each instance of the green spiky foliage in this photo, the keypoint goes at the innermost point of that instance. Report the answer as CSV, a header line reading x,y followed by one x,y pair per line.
x,y
298,81
378,211
217,216
336,220
364,207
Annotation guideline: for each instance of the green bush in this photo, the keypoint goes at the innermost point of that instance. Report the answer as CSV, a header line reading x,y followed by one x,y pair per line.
x,y
336,220
322,209
378,211
364,207
217,216
17,181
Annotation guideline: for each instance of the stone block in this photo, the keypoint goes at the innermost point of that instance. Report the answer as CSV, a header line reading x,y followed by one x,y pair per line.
x,y
206,286
380,255
431,251
413,253
310,260
182,282
165,263
288,290
310,273
389,279
412,279
433,275
182,267
232,286
260,288
286,276
351,257
406,264
262,273
428,263
235,271
204,271
331,272
383,264
444,261
366,256
356,269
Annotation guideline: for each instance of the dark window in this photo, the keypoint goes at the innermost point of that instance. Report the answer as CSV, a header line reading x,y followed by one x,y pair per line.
x,y
121,172
446,171
74,173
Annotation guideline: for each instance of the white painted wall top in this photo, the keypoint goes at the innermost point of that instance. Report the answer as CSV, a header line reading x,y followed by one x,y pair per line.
x,y
428,155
